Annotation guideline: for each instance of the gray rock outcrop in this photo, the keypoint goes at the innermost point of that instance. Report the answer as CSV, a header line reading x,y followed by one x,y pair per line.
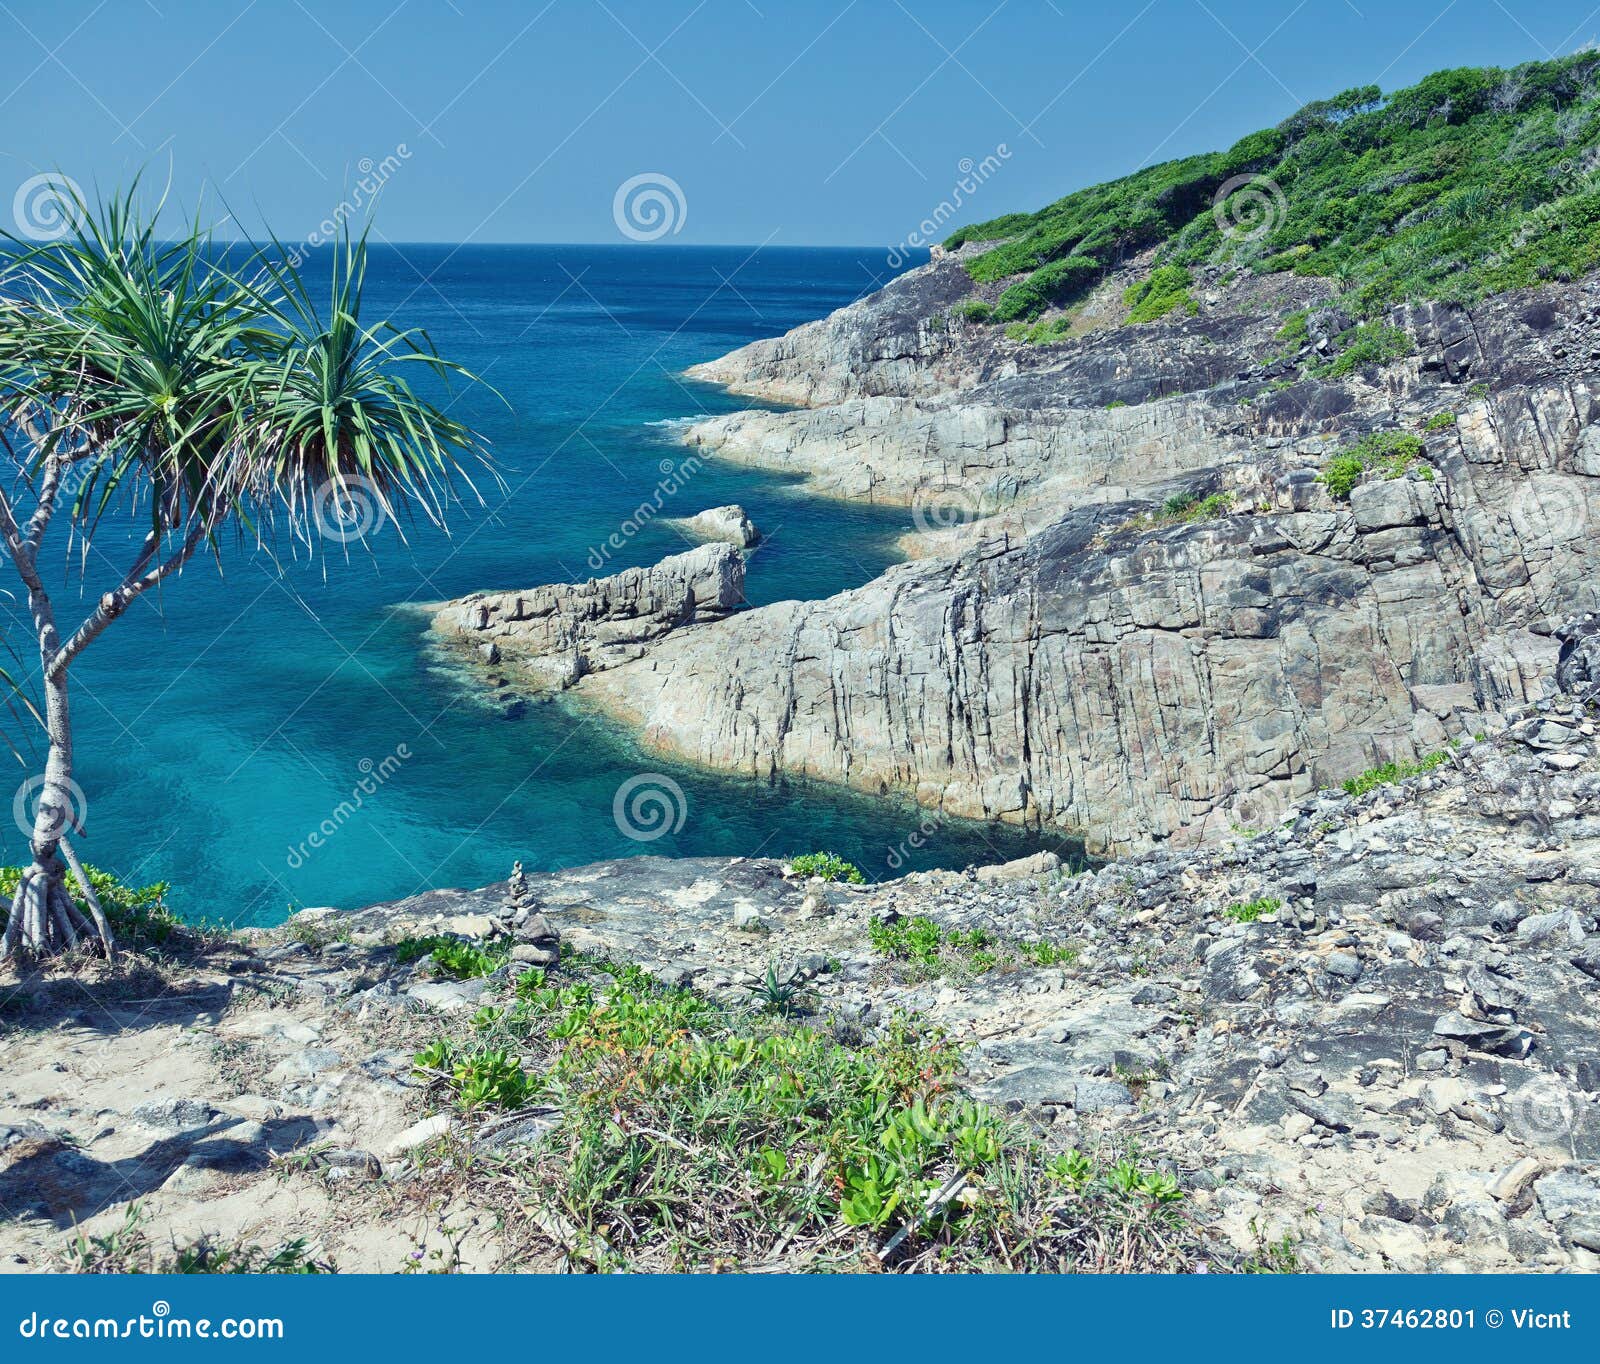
x,y
729,524
1063,652
1372,1030
557,634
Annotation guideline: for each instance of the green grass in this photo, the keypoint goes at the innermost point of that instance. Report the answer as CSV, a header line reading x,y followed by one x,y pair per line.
x,y
1047,953
828,866
1181,509
1440,421
128,1249
1375,777
1042,332
927,951
1388,453
694,1138
1165,290
1249,911
975,310
924,951
1466,183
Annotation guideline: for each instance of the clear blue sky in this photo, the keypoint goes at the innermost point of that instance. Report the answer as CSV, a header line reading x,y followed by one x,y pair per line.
x,y
795,123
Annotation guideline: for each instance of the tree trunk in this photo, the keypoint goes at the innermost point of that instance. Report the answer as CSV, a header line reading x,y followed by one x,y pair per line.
x,y
44,919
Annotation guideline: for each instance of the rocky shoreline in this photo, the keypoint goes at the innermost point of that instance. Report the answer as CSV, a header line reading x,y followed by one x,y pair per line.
x,y
1366,1039
1062,651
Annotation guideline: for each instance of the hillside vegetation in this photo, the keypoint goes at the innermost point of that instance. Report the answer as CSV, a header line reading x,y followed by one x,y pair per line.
x,y
1472,181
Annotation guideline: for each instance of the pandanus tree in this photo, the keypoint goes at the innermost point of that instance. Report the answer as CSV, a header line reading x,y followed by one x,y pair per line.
x,y
156,394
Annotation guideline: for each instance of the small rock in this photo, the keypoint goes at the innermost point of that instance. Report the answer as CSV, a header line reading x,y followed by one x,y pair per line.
x,y
419,1134
171,1116
1509,1184
1096,1096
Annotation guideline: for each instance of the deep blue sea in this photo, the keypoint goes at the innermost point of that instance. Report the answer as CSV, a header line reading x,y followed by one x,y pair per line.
x,y
222,723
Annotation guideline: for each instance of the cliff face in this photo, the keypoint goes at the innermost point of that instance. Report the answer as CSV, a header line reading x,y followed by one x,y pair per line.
x,y
1052,662
1061,651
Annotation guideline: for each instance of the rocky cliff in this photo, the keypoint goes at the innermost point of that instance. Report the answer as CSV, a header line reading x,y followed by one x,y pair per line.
x,y
1065,653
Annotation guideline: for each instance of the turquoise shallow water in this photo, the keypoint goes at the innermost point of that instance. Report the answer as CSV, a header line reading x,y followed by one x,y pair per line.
x,y
222,725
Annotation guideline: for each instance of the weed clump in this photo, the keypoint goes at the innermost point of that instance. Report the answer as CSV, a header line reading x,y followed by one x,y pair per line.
x,y
827,866
1383,775
693,1137
1391,454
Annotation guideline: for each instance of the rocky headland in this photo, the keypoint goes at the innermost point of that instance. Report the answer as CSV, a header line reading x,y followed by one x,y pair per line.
x,y
1073,647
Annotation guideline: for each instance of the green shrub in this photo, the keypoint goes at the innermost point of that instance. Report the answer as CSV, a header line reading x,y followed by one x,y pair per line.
x,y
137,916
975,310
828,866
1047,953
1375,777
1059,282
1249,911
1369,343
1390,453
1462,184
1165,289
1440,421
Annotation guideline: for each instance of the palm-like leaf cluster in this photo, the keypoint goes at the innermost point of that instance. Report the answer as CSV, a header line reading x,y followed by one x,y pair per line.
x,y
195,381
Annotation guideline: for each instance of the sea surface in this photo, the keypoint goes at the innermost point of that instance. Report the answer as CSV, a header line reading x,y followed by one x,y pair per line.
x,y
272,731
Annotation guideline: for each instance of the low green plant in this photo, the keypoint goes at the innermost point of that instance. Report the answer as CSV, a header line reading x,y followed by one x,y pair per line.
x,y
128,1249
1249,911
478,1076
1391,454
696,1137
1370,343
1385,773
975,310
777,994
1188,507
1046,953
828,866
457,958
1281,1256
1440,421
209,1257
